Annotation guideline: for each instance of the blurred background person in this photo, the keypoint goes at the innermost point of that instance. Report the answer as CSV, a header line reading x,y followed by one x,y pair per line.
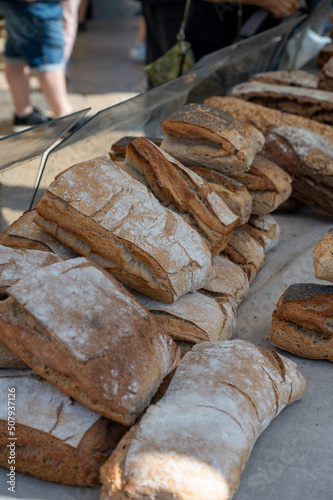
x,y
138,52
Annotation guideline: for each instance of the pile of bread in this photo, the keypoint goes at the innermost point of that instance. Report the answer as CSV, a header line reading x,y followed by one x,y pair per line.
x,y
118,301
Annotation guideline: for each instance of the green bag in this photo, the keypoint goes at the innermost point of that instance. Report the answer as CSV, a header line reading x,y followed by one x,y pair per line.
x,y
176,61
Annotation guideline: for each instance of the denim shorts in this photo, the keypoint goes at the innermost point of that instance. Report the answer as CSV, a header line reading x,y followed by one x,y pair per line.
x,y
35,34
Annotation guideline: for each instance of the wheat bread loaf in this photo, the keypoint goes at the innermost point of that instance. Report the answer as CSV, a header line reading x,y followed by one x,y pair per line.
x,y
302,321
55,437
103,213
77,326
203,136
292,77
194,443
323,257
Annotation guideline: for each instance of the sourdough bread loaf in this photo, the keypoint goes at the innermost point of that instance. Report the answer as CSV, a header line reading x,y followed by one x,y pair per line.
x,y
302,321
323,257
232,192
266,118
264,229
118,148
103,213
77,327
203,136
56,438
293,77
194,443
184,192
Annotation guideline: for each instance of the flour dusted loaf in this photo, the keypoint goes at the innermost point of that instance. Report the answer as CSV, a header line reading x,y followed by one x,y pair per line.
x,y
323,257
266,118
24,233
58,439
183,191
314,104
303,319
194,317
232,192
326,76
194,443
268,184
264,229
203,136
76,326
308,158
293,77
105,214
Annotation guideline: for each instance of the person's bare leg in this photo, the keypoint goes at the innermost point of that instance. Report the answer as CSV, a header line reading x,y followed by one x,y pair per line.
x,y
17,74
53,86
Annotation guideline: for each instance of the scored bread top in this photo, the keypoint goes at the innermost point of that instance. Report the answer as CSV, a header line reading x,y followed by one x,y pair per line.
x,y
41,406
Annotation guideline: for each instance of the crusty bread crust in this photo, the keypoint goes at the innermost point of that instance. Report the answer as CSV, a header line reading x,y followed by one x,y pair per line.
x,y
323,257
293,77
264,229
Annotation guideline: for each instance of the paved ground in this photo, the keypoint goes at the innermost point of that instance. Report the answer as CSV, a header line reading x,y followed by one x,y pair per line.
x,y
101,73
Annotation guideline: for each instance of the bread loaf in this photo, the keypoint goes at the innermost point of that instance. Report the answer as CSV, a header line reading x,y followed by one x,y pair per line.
x,y
302,321
266,118
325,54
194,443
293,77
308,158
103,213
323,257
184,192
326,76
268,184
264,229
245,251
232,192
202,136
55,438
314,104
76,326
24,233
118,148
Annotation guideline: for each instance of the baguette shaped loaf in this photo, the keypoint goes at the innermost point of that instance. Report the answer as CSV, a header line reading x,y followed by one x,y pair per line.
x,y
16,264
103,213
76,326
323,257
302,321
314,104
230,284
59,439
232,192
245,251
194,443
184,192
293,77
266,118
268,184
24,233
202,136
264,229
326,76
193,318
308,158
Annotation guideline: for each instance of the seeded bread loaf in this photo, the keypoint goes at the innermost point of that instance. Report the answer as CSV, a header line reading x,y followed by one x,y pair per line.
x,y
302,321
55,438
194,443
293,77
203,136
183,192
323,257
77,327
105,214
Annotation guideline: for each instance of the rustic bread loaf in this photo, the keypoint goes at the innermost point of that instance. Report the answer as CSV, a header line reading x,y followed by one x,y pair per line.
x,y
325,54
76,326
24,233
325,78
302,321
264,229
245,251
194,443
265,118
103,213
293,77
193,318
56,438
314,104
230,284
183,192
118,148
232,192
308,158
268,184
203,136
323,257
